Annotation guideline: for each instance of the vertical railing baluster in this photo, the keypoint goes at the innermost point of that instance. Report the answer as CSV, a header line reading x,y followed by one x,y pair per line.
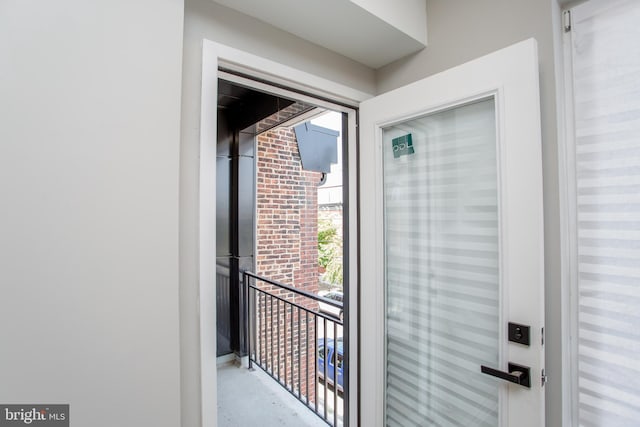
x,y
278,334
263,327
285,343
276,341
271,341
326,365
315,359
291,351
299,358
266,332
291,332
245,280
335,374
258,327
306,353
256,295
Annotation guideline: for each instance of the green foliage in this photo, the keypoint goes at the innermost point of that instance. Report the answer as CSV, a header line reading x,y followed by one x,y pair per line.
x,y
330,251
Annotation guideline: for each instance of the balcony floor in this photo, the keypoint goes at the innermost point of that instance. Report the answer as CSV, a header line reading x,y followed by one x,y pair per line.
x,y
252,398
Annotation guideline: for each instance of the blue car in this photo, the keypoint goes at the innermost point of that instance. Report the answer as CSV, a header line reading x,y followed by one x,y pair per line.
x,y
331,357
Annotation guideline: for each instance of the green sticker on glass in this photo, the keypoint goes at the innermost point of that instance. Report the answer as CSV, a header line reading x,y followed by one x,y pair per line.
x,y
402,145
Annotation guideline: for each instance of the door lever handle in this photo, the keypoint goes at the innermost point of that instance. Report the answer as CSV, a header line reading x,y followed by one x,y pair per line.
x,y
517,374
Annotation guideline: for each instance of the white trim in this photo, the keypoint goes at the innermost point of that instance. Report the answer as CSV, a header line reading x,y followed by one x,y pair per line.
x,y
503,245
354,268
207,240
567,198
266,69
213,56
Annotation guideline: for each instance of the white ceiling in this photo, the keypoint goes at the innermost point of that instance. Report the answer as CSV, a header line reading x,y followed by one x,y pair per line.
x,y
344,26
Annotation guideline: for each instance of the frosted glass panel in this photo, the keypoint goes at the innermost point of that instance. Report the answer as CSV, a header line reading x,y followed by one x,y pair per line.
x,y
606,67
442,276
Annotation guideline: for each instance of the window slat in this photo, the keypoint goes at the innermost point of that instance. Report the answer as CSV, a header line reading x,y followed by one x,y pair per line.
x,y
606,67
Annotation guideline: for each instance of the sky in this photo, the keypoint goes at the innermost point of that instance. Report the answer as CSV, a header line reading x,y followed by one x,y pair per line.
x,y
331,191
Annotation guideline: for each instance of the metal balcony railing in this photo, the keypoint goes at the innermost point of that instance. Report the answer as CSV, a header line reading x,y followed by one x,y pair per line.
x,y
297,345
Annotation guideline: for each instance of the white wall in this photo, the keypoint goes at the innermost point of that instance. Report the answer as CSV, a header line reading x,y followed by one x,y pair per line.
x,y
205,19
89,146
408,15
460,30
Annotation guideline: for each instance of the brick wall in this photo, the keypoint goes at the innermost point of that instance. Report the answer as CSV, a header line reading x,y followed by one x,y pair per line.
x,y
287,251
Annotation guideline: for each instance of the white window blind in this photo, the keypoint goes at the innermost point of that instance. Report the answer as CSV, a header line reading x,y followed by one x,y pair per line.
x,y
442,274
605,47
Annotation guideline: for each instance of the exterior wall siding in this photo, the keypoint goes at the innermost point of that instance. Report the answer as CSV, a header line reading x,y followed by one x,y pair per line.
x,y
287,251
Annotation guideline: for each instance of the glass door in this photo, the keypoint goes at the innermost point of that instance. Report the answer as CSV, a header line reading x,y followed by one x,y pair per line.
x,y
442,278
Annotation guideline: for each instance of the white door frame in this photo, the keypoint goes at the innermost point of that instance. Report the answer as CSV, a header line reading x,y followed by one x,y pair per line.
x,y
215,55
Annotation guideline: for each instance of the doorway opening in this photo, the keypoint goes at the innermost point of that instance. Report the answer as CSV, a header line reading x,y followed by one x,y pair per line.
x,y
281,268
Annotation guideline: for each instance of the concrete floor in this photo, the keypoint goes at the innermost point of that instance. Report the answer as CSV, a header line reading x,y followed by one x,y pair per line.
x,y
251,398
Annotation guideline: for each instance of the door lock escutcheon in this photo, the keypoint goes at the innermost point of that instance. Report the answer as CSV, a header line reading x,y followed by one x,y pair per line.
x,y
520,334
